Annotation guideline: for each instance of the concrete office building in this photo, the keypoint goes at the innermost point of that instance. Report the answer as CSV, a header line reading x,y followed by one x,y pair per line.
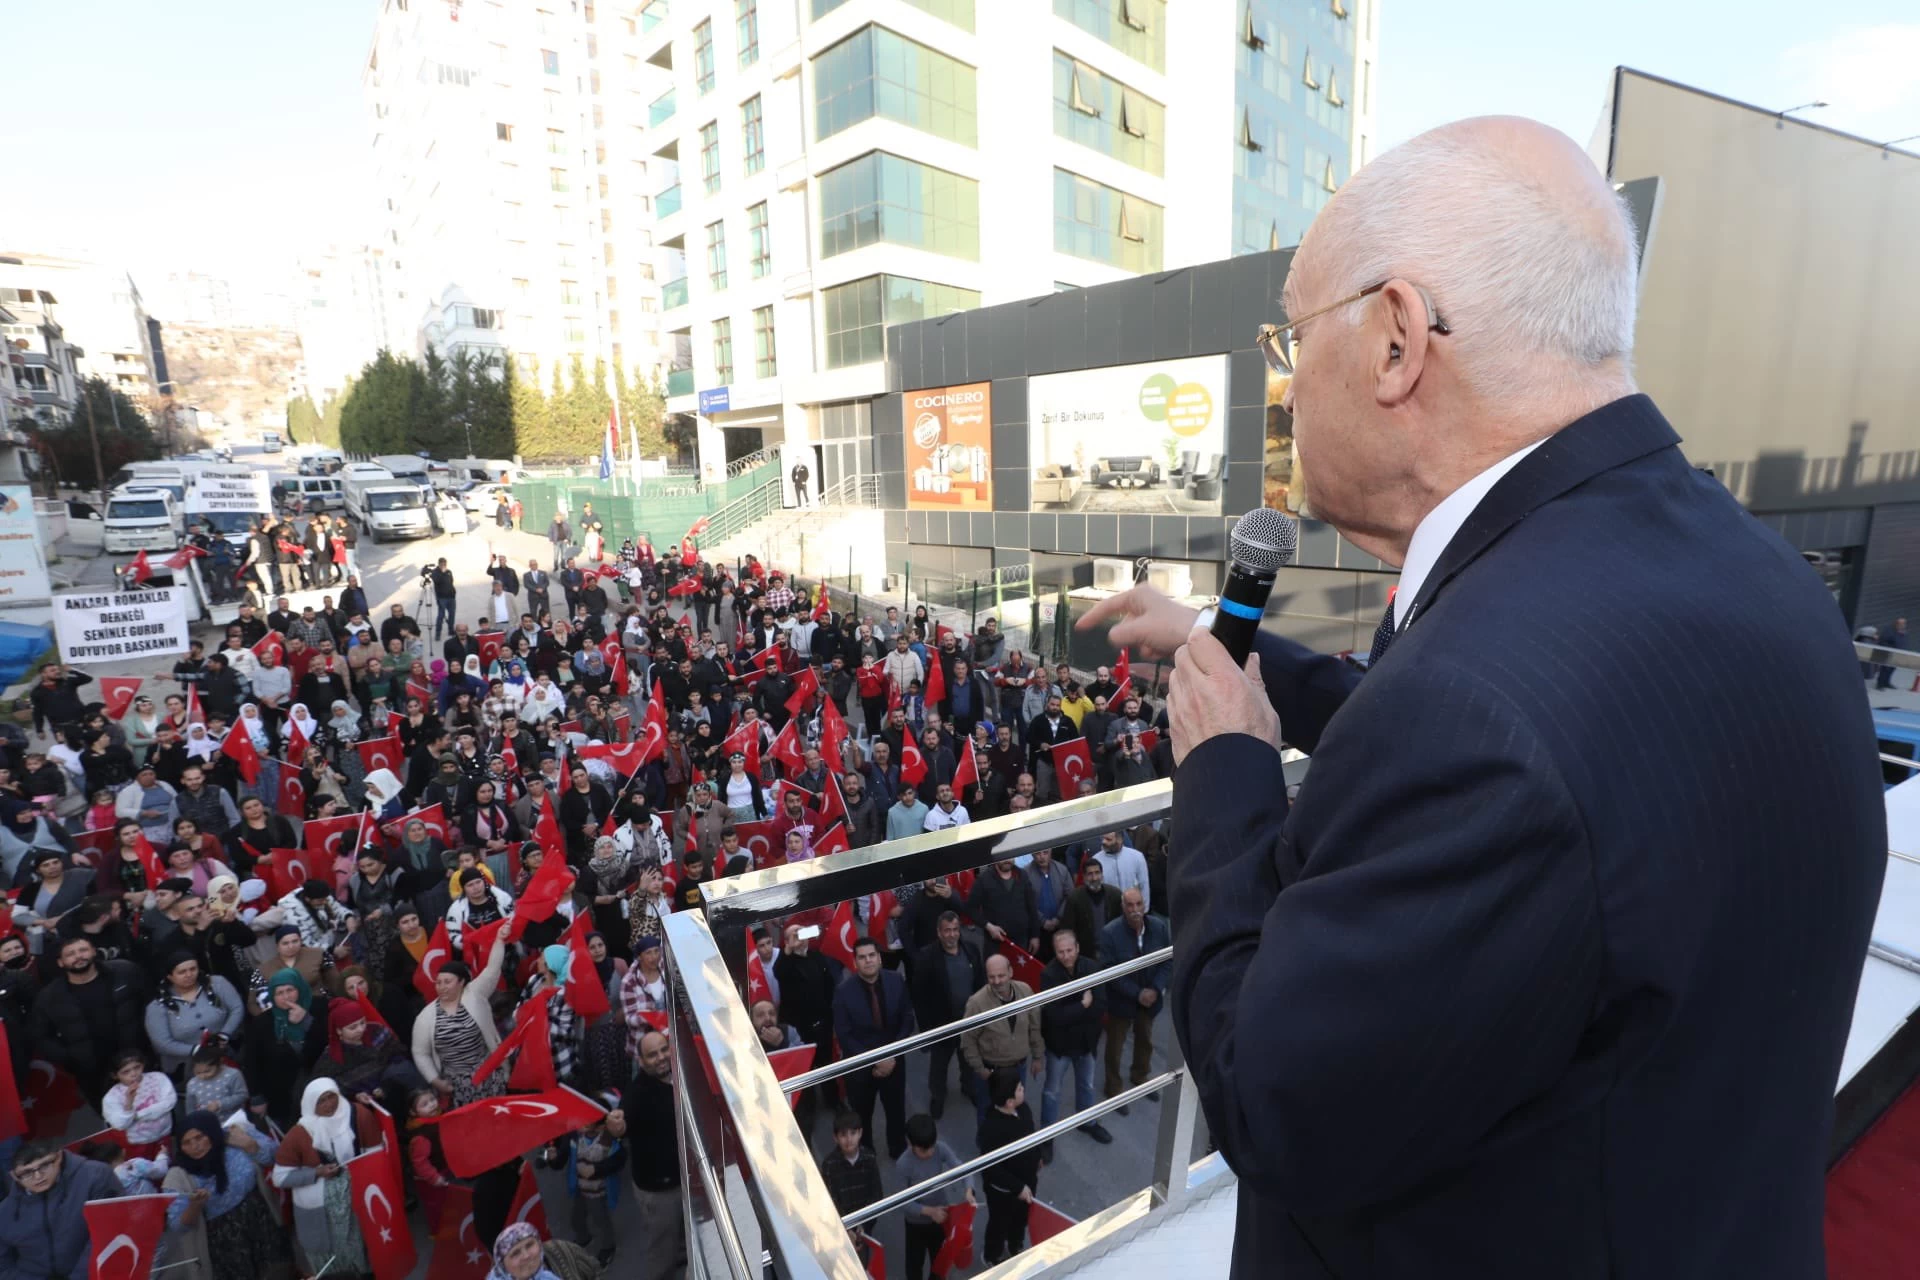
x,y
512,179
100,310
827,168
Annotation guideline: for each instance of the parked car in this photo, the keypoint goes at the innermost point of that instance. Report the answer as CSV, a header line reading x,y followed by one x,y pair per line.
x,y
482,499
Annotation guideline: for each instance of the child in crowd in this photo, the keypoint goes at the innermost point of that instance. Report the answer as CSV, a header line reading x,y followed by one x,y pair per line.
x,y
138,1177
594,1160
213,1083
140,1102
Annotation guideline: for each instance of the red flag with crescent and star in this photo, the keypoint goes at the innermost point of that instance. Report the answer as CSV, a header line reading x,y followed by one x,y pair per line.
x,y
786,749
150,864
531,1040
1122,677
434,817
291,802
116,692
476,941
439,951
1074,764
805,685
125,1233
381,753
548,888
326,836
288,869
486,1134
50,1099
832,840
626,758
238,747
833,735
458,1253
837,939
527,1206
967,772
1026,967
653,730
271,643
379,1205
934,687
586,994
756,838
913,762
956,1242
746,740
489,644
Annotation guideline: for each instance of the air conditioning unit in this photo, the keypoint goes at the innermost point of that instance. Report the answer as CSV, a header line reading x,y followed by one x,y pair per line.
x,y
1173,580
1112,575
890,583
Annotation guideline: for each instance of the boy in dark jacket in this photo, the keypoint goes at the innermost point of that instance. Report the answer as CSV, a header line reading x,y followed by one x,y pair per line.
x,y
42,1229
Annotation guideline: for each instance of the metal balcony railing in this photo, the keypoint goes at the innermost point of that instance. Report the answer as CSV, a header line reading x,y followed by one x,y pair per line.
x,y
673,294
679,382
660,110
756,1202
667,203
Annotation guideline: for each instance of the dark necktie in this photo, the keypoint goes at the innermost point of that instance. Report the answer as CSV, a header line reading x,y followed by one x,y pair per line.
x,y
873,1000
1382,637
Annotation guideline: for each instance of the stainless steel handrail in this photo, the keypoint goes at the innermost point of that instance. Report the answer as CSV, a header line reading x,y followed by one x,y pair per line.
x,y
960,1026
1908,764
1039,1137
1882,657
1894,955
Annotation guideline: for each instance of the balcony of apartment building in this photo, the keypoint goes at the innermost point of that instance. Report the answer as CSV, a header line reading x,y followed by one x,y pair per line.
x,y
678,349
673,270
661,110
667,201
656,32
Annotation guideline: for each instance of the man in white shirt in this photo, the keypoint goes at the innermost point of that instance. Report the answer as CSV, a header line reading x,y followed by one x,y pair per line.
x,y
948,812
1125,867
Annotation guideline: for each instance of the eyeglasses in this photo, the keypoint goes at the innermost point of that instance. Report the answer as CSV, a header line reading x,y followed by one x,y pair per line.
x,y
1280,343
35,1172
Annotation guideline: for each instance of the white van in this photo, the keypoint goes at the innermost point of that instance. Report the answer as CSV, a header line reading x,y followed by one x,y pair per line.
x,y
385,505
141,519
170,476
309,493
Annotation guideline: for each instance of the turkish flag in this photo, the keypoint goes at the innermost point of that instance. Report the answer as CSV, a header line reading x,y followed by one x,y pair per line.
x,y
1073,764
118,1137
288,869
476,942
788,1063
833,735
1122,677
805,685
625,758
545,892
184,556
684,587
292,800
238,747
836,941
876,1256
423,692
390,1140
50,1099
935,687
586,994
823,607
531,1040
13,1117
439,951
623,726
1026,968
271,643
526,1206
124,1232
379,1205
140,570
98,844
653,730
913,762
458,1253
880,909
833,805
381,753
486,1134
434,816
967,772
757,666
327,837
758,988
296,743
1149,739
195,715
489,642
117,693
832,840
956,1246
786,749
746,740
1044,1222
756,839
546,831
150,863
373,1014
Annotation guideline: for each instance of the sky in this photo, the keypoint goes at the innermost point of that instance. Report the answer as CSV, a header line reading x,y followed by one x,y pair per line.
x,y
228,136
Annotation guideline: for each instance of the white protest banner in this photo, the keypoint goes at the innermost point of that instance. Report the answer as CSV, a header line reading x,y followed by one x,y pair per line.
x,y
240,489
106,626
23,562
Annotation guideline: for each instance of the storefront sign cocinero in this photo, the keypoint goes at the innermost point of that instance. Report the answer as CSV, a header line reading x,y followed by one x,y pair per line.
x,y
950,448
23,561
106,626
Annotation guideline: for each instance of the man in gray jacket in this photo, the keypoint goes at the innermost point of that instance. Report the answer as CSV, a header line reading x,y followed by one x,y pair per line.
x,y
43,1234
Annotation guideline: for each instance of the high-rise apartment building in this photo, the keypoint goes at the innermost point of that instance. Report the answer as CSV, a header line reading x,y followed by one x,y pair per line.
x,y
100,310
509,157
340,311
825,168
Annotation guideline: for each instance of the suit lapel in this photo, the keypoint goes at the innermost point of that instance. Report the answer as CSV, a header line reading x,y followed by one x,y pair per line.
x,y
1611,436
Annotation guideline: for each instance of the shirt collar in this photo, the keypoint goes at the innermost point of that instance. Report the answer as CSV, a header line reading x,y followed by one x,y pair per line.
x,y
1431,536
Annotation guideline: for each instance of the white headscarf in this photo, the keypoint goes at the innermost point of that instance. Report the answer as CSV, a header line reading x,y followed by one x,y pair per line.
x,y
333,1136
199,745
472,667
255,727
382,786
345,723
303,720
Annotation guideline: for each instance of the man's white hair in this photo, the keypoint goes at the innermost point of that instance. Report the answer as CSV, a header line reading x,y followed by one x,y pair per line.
x,y
1516,268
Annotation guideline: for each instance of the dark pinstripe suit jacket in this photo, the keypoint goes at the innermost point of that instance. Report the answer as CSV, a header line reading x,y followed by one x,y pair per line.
x,y
1548,971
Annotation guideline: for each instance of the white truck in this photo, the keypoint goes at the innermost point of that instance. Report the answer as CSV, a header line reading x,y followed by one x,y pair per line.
x,y
142,519
383,505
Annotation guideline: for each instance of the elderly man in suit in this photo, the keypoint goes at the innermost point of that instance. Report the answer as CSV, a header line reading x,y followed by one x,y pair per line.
x,y
1549,969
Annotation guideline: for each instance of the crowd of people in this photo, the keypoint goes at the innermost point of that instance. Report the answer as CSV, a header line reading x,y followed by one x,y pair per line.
x,y
234,906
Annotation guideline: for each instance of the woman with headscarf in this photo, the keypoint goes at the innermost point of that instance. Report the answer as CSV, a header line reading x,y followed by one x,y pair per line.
x,y
230,934
343,723
140,724
374,890
200,744
285,1041
609,875
520,1254
222,1228
362,1054
489,826
544,702
312,1163
301,727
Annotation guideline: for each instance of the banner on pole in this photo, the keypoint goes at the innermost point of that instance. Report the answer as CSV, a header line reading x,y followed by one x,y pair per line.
x,y
106,626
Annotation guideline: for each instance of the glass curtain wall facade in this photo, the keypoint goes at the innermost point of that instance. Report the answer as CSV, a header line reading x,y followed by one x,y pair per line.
x,y
1294,76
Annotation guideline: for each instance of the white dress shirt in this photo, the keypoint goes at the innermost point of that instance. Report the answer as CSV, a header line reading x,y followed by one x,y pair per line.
x,y
1433,534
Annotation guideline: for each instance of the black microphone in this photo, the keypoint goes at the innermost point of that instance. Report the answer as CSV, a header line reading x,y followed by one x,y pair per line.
x,y
1263,541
